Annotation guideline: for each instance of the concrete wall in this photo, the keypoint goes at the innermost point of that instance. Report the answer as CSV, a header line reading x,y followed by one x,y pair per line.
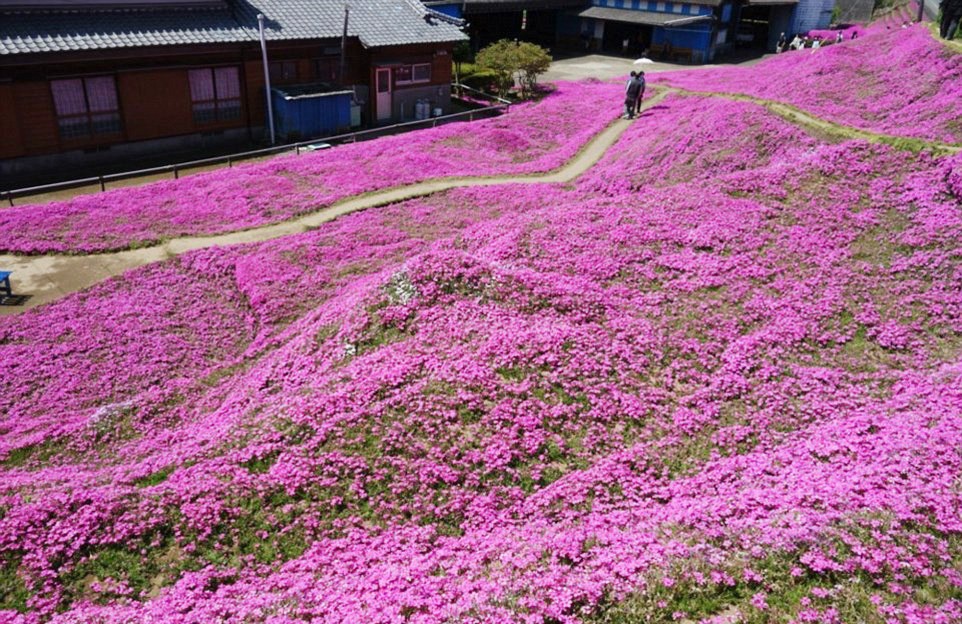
x,y
128,153
813,14
855,11
406,99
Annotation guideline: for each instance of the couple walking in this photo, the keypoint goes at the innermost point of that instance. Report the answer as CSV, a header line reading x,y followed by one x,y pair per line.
x,y
634,91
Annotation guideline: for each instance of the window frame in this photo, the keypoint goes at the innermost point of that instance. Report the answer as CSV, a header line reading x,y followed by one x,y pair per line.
x,y
89,123
218,104
284,65
410,69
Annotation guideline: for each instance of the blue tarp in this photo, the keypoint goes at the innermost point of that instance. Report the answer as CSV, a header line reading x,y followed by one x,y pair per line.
x,y
309,111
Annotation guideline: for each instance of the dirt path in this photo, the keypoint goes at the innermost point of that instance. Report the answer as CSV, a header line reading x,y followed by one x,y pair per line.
x,y
821,126
50,277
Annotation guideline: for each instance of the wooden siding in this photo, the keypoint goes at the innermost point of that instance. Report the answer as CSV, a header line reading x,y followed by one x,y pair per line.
x,y
36,117
11,143
252,84
155,104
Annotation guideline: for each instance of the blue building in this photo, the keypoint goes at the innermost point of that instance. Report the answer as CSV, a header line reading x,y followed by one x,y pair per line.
x,y
694,31
697,31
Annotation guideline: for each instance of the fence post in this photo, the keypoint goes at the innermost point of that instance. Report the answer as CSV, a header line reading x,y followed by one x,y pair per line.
x,y
297,150
176,172
103,187
10,198
230,162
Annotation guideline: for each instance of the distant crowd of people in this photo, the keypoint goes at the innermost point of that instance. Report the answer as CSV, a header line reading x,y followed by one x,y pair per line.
x,y
800,42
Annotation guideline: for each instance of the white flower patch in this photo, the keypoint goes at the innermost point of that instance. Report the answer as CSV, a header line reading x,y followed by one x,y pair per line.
x,y
400,289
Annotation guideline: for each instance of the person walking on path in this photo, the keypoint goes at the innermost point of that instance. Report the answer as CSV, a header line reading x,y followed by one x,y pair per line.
x,y
780,46
641,91
632,89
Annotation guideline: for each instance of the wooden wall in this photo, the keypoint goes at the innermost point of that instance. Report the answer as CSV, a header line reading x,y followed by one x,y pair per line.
x,y
145,114
11,142
36,118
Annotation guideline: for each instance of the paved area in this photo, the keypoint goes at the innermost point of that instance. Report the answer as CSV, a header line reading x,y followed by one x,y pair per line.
x,y
605,67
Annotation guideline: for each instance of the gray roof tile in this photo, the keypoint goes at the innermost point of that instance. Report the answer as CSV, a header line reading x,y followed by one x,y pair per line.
x,y
375,22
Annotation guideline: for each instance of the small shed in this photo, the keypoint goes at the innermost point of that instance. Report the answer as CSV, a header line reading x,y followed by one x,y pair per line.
x,y
312,110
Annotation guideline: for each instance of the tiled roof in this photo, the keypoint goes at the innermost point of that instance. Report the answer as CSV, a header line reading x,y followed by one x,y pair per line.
x,y
375,22
474,7
649,18
59,31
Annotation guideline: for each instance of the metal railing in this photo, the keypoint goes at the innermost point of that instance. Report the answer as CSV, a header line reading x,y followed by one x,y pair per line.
x,y
500,105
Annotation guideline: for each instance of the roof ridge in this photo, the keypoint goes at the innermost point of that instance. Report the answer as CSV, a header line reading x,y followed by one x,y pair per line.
x,y
444,17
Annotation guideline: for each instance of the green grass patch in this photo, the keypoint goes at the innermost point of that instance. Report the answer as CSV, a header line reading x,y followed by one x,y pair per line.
x,y
155,478
33,453
13,591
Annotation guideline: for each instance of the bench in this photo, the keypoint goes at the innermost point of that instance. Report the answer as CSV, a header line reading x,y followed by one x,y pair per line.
x,y
5,283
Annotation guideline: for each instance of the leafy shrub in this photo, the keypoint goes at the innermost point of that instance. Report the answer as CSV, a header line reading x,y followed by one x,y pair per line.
x,y
515,61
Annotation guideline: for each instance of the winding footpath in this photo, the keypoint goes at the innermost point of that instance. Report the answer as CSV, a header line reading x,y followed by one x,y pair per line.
x,y
47,278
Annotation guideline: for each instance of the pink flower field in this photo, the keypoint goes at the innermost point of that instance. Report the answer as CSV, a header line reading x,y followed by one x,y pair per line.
x,y
531,138
716,379
900,82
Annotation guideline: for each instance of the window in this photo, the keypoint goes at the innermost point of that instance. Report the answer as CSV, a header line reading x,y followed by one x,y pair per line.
x,y
408,74
283,71
326,68
422,72
215,94
86,107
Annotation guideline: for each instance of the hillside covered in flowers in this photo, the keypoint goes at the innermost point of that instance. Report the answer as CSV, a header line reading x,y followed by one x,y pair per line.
x,y
718,378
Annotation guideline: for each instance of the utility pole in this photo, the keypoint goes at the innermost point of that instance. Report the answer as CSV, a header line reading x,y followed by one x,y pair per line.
x,y
267,77
347,12
921,11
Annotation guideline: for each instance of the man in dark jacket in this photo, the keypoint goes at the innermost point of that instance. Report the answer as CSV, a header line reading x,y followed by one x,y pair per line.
x,y
632,90
641,91
951,15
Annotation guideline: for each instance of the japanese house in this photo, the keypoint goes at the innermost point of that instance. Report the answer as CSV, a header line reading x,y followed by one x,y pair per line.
x,y
89,81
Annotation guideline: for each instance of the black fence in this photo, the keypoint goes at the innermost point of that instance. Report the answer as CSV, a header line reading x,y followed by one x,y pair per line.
x,y
499,107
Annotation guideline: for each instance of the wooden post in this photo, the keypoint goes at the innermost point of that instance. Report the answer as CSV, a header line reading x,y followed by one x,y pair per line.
x,y
343,68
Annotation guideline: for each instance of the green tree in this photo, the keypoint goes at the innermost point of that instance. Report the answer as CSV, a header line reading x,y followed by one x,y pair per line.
x,y
510,60
500,57
533,60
